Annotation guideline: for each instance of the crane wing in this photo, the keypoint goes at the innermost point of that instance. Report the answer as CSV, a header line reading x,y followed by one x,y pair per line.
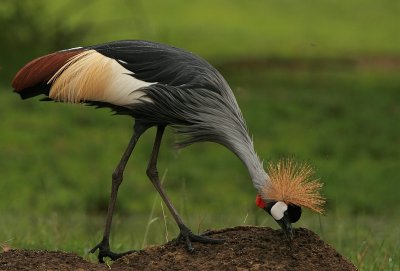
x,y
168,65
115,72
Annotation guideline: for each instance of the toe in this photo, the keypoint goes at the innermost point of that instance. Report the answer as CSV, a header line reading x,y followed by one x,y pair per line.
x,y
188,237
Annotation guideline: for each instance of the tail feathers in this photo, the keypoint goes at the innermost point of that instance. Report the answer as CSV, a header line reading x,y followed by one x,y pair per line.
x,y
80,75
32,79
34,91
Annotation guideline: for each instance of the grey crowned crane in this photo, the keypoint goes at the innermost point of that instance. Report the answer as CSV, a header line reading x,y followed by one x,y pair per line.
x,y
160,85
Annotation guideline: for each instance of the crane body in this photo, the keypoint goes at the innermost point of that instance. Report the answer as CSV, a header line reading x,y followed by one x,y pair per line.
x,y
157,85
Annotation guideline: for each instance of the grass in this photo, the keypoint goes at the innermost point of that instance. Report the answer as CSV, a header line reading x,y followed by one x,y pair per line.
x,y
277,28
56,160
368,243
218,30
56,163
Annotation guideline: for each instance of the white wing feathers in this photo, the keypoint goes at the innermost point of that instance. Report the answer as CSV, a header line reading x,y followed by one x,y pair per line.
x,y
91,76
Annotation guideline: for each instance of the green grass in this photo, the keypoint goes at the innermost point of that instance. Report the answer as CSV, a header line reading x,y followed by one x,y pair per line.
x,y
218,30
56,162
370,243
226,29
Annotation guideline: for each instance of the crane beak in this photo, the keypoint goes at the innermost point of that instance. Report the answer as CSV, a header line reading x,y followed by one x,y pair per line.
x,y
286,226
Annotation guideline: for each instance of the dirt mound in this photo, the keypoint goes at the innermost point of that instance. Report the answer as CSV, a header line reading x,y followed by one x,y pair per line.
x,y
245,248
30,260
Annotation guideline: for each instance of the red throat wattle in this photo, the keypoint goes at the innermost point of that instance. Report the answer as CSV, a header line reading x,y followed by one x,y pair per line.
x,y
260,202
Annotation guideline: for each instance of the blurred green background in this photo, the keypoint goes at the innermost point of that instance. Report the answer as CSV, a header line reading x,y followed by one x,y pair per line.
x,y
316,80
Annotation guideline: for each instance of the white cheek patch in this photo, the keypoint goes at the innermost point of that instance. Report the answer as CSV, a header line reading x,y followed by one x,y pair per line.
x,y
278,209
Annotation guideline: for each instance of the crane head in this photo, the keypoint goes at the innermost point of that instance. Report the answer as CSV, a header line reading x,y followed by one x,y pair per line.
x,y
288,188
284,214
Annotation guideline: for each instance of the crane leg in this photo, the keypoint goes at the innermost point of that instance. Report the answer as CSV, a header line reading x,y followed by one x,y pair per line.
x,y
117,176
186,234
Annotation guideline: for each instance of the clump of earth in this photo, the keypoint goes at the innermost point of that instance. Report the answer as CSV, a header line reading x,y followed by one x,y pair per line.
x,y
245,248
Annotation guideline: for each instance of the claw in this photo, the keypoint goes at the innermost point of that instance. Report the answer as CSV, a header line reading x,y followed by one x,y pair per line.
x,y
188,237
104,251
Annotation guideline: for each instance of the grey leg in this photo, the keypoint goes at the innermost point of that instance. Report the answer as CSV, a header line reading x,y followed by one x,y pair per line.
x,y
117,176
185,233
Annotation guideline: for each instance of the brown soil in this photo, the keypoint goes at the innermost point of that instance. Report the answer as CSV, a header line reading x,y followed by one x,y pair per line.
x,y
245,248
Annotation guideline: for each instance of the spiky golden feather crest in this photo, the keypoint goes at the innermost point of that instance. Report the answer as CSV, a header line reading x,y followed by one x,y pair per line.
x,y
292,183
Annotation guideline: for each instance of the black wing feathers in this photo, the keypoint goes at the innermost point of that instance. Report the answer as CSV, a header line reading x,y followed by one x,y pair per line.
x,y
155,62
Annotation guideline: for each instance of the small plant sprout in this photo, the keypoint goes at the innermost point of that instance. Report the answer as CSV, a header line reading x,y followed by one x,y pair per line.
x,y
5,247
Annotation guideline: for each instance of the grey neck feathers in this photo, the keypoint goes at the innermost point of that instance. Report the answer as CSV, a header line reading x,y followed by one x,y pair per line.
x,y
245,151
239,140
200,115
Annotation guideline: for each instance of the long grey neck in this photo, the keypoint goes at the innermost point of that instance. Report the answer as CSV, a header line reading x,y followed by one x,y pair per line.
x,y
245,151
240,141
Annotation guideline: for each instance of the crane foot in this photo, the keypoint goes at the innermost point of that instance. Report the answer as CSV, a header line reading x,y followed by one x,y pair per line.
x,y
188,237
104,251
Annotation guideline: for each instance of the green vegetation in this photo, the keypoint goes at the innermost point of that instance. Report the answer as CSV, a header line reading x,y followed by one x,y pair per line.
x,y
56,160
